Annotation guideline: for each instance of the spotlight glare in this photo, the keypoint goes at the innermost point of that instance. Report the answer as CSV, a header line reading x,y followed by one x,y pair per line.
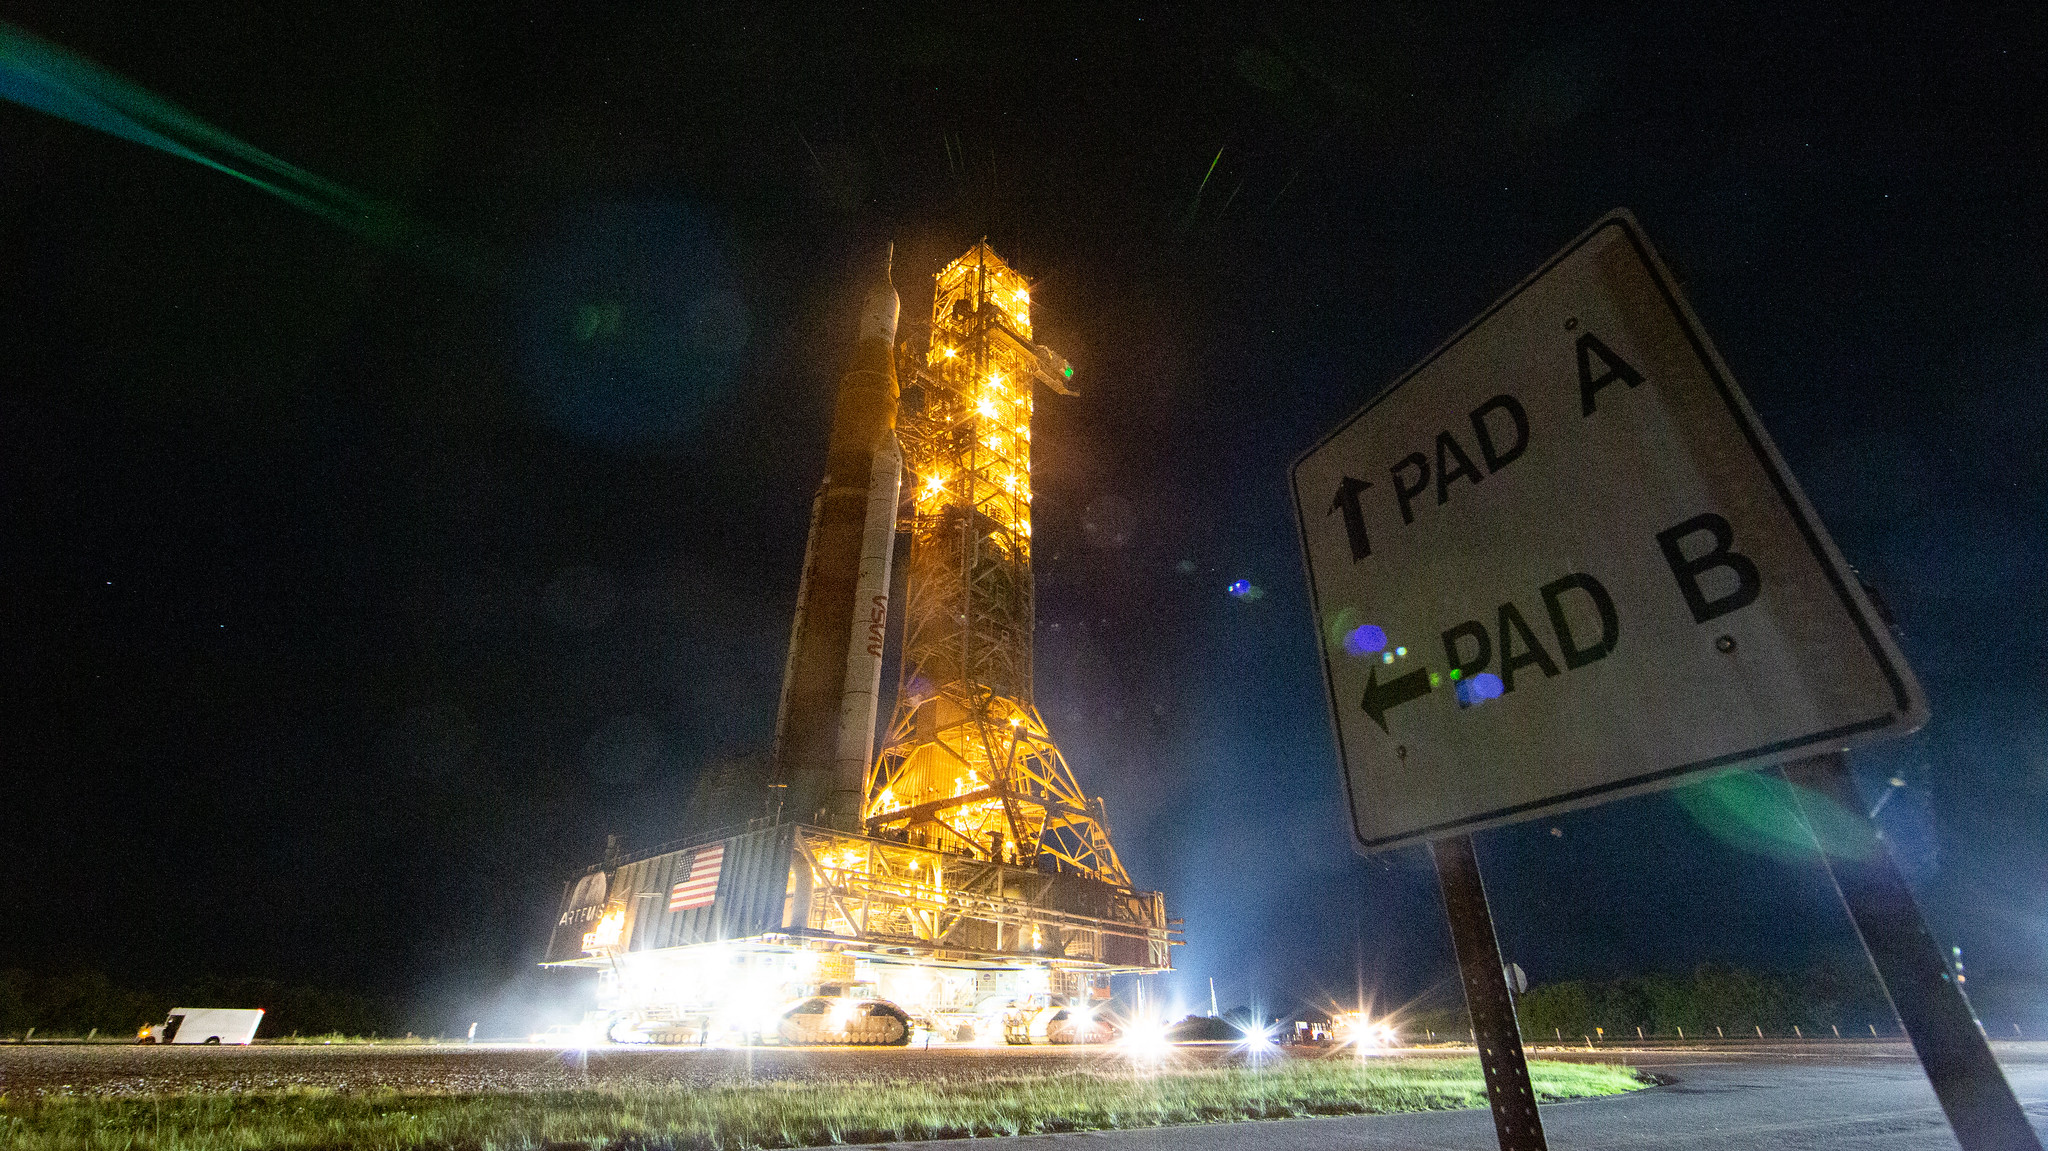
x,y
1145,1038
1258,1039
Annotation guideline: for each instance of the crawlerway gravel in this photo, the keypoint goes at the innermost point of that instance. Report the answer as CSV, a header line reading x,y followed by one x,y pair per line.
x,y
121,1070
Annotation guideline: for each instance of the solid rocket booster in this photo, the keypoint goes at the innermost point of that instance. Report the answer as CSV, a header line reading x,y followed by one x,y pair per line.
x,y
825,731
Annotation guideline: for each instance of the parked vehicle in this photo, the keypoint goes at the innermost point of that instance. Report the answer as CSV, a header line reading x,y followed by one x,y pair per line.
x,y
211,1026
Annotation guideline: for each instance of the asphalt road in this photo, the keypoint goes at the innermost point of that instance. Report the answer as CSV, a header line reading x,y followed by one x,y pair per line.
x,y
1856,1099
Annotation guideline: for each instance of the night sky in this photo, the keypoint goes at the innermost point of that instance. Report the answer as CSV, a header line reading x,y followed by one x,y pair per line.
x,y
356,592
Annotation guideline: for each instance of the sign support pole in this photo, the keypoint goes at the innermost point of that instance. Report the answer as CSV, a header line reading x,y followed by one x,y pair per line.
x,y
1515,1120
1952,1048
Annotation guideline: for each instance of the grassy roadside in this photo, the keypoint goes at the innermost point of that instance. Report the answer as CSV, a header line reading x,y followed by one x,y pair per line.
x,y
768,1115
329,1039
337,1039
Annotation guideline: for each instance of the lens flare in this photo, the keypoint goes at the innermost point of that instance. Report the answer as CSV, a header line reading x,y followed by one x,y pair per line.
x,y
1257,1040
38,74
1365,639
1758,812
1479,688
1362,1032
1145,1038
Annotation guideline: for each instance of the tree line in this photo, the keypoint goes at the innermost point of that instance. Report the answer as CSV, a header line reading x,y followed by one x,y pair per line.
x,y
1709,1001
79,1003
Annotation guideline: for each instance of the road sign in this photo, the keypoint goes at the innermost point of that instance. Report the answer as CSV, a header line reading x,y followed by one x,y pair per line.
x,y
1559,562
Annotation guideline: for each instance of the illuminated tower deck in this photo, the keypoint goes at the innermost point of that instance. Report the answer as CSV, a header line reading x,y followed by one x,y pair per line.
x,y
968,766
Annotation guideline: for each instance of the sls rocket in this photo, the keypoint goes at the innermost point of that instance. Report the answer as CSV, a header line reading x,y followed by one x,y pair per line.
x,y
825,725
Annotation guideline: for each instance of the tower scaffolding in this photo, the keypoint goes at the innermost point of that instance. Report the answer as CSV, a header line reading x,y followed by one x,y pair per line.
x,y
968,765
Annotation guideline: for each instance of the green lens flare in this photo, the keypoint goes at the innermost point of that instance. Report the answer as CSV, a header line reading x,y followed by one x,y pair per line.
x,y
1340,625
1755,811
38,74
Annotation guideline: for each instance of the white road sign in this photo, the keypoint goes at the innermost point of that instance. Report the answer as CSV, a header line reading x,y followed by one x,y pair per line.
x,y
1559,562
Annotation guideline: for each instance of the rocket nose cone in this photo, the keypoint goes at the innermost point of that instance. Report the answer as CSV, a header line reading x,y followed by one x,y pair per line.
x,y
879,312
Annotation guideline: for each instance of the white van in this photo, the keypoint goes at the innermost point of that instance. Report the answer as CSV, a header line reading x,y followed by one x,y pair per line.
x,y
208,1025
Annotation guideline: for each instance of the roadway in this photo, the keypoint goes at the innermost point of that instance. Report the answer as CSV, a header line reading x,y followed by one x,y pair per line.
x,y
1812,1098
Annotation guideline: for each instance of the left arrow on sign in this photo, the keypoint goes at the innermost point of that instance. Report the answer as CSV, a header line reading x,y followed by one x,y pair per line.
x,y
1379,697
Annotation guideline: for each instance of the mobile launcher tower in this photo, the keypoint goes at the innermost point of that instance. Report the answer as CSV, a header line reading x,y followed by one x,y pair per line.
x,y
960,872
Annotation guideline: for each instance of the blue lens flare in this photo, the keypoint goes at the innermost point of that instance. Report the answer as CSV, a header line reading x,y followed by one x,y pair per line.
x,y
1365,639
1240,588
1479,689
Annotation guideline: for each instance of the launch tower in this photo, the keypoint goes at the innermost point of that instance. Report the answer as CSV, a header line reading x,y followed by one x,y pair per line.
x,y
958,877
968,766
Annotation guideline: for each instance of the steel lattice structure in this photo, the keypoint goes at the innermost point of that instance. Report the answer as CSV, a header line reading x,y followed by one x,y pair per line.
x,y
967,765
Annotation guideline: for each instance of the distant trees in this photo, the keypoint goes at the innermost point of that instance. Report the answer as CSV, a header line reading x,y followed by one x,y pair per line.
x,y
1736,1000
1204,1029
1732,999
1558,1006
75,1003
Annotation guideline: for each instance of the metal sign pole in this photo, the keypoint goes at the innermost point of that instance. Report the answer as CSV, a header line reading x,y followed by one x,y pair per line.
x,y
1486,996
1973,1091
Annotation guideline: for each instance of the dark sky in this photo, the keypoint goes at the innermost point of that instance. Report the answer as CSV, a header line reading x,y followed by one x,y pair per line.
x,y
354,596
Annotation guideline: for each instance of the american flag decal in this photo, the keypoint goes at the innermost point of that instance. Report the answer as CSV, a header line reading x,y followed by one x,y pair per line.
x,y
700,886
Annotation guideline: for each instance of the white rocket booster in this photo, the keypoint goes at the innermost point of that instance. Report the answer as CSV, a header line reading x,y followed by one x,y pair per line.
x,y
860,702
825,726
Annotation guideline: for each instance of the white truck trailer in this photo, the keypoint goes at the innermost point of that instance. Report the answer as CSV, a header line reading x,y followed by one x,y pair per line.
x,y
207,1025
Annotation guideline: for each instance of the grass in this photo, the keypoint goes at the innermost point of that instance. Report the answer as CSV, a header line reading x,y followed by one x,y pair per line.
x,y
338,1039
331,1038
767,1115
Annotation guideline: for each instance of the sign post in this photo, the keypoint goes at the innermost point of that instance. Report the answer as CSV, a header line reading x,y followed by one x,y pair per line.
x,y
1558,563
1957,1057
1499,1038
